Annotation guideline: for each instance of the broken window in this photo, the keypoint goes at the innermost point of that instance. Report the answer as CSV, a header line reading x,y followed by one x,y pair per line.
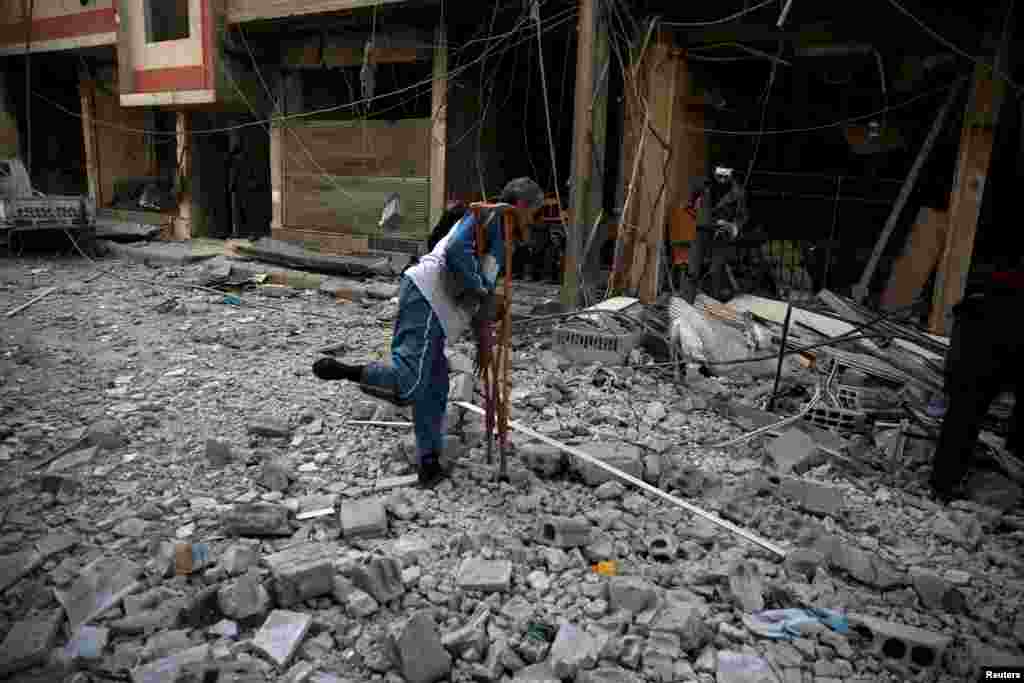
x,y
166,20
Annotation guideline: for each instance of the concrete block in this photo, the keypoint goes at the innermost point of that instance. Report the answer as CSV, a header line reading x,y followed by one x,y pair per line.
x,y
906,645
243,599
381,577
545,460
188,664
489,576
166,616
302,572
737,667
276,474
631,593
627,458
257,519
365,517
54,544
804,562
565,532
686,621
537,673
281,635
793,451
238,558
607,674
472,635
422,656
574,649
267,425
101,585
14,567
166,643
747,587
935,592
29,642
662,548
818,499
218,453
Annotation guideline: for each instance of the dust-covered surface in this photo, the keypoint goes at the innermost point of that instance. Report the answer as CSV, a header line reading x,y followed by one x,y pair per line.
x,y
182,495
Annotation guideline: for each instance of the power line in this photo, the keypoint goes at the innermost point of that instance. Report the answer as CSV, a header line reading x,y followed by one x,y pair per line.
x,y
715,22
552,24
952,46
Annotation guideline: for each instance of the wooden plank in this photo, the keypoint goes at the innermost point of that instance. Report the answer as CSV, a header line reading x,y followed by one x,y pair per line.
x,y
254,10
439,128
920,255
276,176
860,290
327,242
775,311
183,223
87,96
973,163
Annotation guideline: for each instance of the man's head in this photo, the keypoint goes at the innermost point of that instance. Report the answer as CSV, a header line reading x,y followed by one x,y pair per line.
x,y
723,174
527,199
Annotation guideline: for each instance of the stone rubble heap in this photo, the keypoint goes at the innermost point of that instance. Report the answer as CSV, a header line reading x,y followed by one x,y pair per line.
x,y
182,499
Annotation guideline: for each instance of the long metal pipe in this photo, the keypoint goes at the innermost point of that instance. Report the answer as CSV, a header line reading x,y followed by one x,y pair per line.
x,y
630,479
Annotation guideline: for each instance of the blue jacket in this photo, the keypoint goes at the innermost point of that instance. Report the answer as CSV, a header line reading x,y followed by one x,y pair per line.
x,y
479,275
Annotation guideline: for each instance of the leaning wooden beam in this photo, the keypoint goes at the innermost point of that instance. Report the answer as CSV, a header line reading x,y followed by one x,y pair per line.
x,y
860,290
629,479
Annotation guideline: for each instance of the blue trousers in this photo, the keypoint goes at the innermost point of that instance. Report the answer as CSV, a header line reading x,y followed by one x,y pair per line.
x,y
418,368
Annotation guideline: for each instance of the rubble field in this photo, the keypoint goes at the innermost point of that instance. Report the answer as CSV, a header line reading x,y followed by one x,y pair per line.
x,y
184,500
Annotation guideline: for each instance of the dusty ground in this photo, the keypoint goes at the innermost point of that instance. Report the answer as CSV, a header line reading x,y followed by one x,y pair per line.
x,y
161,381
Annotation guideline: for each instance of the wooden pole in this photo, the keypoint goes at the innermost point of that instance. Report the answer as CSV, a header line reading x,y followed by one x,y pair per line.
x,y
976,141
439,128
183,223
860,290
583,151
87,96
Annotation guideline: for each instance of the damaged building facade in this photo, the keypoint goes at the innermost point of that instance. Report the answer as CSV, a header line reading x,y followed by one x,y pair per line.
x,y
348,125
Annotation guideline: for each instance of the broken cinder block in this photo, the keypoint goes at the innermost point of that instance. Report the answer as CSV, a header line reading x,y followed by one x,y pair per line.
x,y
381,577
29,642
366,517
565,532
257,519
488,576
281,635
302,572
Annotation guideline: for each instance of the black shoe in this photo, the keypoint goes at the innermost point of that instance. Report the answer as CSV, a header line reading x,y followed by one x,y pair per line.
x,y
331,369
430,471
383,394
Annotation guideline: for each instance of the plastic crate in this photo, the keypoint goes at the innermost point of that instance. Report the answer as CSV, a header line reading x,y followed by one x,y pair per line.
x,y
836,419
593,346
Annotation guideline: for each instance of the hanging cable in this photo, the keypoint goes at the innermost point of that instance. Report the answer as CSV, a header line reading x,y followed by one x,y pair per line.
x,y
535,10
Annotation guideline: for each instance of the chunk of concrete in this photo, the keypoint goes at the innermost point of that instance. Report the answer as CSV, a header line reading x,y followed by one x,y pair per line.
x,y
902,644
218,453
747,587
266,425
662,548
29,642
686,621
101,585
608,674
422,656
818,499
738,667
935,592
488,576
243,599
54,544
573,650
276,474
281,635
472,635
793,451
565,532
381,577
627,458
166,643
238,558
537,673
188,664
545,460
14,567
257,519
302,572
363,518
631,593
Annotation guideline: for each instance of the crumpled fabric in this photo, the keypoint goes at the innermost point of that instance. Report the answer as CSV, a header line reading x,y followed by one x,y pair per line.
x,y
784,624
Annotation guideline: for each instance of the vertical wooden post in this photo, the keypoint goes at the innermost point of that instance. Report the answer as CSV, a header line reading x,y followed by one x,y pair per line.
x,y
183,223
87,95
583,151
277,170
660,80
976,140
439,128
